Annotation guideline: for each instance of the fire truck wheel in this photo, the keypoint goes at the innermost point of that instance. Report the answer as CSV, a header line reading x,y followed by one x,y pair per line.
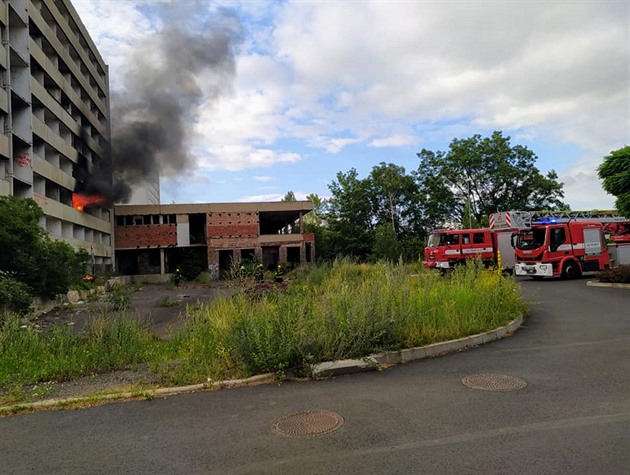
x,y
571,271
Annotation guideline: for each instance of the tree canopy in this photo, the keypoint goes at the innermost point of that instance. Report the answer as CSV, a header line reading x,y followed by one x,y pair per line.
x,y
615,175
390,212
290,196
488,173
350,220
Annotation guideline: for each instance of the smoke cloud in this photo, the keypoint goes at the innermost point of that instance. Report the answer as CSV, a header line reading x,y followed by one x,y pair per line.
x,y
152,117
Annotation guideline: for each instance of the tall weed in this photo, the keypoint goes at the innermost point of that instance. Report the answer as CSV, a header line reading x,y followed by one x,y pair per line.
x,y
343,310
28,355
333,311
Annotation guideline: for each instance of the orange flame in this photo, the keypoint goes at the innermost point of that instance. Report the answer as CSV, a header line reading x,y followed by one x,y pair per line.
x,y
81,201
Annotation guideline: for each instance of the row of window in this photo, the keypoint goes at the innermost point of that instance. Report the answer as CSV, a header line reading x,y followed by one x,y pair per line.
x,y
146,219
453,239
61,36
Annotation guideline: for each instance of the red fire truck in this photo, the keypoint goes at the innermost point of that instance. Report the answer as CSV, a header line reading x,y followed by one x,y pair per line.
x,y
448,248
537,244
566,244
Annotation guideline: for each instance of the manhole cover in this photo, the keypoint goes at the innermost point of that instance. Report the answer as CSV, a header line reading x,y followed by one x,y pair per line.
x,y
494,382
307,424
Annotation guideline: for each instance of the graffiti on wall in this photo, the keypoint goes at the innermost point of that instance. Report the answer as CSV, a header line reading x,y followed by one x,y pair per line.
x,y
213,270
24,160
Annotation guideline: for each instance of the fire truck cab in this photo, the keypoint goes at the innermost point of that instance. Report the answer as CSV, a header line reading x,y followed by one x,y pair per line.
x,y
552,249
448,248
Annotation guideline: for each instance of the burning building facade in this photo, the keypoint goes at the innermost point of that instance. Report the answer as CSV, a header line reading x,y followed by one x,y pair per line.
x,y
54,113
155,239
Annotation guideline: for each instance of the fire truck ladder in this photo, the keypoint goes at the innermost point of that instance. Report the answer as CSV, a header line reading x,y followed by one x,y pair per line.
x,y
525,219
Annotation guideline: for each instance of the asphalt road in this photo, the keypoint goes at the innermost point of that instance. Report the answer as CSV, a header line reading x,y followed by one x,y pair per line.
x,y
573,416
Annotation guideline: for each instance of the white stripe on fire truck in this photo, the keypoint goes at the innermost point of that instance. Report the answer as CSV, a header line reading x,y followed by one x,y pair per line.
x,y
567,247
476,250
450,252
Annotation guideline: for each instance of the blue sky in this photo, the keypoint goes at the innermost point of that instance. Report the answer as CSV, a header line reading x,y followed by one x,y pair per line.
x,y
322,87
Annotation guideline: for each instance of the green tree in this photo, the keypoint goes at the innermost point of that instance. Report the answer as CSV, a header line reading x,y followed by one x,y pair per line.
x,y
386,244
315,222
469,220
387,196
394,197
350,215
290,196
490,174
316,217
615,175
28,254
21,238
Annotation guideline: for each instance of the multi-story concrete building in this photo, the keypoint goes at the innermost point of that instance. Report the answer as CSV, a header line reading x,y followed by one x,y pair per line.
x,y
147,193
54,119
154,239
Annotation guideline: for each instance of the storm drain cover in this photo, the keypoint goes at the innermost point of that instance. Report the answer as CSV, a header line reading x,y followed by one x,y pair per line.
x,y
307,424
494,382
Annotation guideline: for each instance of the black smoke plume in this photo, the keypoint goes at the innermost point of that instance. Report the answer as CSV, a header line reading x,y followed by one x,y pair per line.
x,y
152,118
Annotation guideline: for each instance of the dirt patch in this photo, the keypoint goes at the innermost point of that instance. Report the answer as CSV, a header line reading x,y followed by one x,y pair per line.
x,y
162,306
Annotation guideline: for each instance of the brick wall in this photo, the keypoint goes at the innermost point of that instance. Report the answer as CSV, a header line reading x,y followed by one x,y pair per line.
x,y
235,225
215,244
151,235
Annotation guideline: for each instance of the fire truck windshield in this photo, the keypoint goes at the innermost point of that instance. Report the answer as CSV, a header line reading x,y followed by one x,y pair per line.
x,y
443,239
530,238
436,240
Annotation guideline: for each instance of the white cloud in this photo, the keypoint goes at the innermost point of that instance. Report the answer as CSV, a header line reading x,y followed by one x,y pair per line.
x,y
396,140
267,197
299,195
335,145
116,32
239,157
263,178
509,65
326,75
583,188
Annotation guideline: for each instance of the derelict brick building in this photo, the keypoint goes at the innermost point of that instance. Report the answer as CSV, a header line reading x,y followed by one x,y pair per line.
x,y
152,239
54,119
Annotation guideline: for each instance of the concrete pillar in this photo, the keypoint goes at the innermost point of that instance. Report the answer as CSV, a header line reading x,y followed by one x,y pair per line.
x,y
162,263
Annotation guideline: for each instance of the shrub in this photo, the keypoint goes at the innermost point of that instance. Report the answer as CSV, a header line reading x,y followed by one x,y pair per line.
x,y
60,268
618,275
193,262
15,296
119,298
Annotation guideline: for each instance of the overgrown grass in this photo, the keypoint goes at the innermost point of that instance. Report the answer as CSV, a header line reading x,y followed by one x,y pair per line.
x,y
28,355
342,310
331,311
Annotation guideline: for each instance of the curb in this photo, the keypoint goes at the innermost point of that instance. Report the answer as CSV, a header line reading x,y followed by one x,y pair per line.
x,y
380,360
594,283
374,362
144,394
